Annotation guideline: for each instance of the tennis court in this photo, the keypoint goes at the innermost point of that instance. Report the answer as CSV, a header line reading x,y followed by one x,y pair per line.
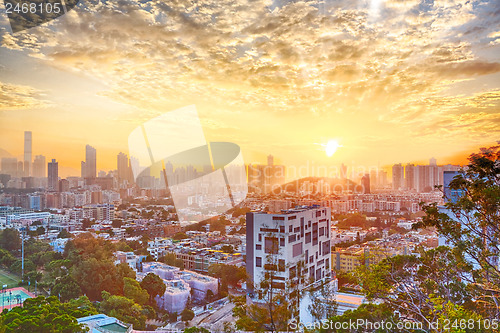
x,y
10,298
8,279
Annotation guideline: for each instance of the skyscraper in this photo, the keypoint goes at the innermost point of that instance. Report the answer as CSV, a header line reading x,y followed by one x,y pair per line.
x,y
397,176
53,175
27,153
39,166
90,162
410,176
122,166
365,182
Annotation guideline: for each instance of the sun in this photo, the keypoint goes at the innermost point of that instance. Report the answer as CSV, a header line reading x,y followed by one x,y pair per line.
x,y
331,147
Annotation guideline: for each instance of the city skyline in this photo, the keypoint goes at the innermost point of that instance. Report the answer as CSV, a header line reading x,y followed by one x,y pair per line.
x,y
389,81
89,154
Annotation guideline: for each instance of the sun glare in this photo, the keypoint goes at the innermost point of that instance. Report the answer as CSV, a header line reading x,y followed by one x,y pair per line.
x,y
331,147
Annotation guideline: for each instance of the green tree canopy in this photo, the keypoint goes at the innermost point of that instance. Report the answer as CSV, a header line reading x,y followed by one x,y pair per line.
x,y
154,285
42,314
133,290
123,309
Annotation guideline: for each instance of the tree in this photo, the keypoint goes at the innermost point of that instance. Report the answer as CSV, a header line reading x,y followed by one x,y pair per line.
x,y
209,296
195,329
470,223
180,236
323,303
227,248
66,288
133,290
94,276
117,223
410,284
123,309
154,285
229,275
64,234
10,240
42,314
187,315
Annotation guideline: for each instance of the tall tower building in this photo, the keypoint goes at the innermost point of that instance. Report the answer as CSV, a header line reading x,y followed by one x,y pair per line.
x,y
397,176
410,177
53,175
39,166
294,244
122,166
27,153
90,162
365,182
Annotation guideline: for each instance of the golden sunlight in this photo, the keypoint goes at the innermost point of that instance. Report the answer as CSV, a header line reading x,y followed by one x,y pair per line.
x,y
331,147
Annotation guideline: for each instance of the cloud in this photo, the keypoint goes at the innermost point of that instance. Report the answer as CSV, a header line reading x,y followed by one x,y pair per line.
x,y
288,58
17,97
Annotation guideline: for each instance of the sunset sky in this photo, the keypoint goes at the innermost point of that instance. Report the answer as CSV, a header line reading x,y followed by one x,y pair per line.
x,y
391,81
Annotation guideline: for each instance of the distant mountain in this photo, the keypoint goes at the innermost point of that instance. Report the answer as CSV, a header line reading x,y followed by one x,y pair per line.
x,y
5,153
314,184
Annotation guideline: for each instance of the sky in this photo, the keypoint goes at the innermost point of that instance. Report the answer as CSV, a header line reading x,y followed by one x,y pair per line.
x,y
388,81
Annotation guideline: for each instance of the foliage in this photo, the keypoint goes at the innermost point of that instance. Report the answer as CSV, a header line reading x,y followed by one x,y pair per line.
x,y
227,248
180,236
133,290
42,314
123,309
64,234
154,285
195,329
171,259
10,240
66,288
471,224
187,314
323,304
409,284
229,275
94,276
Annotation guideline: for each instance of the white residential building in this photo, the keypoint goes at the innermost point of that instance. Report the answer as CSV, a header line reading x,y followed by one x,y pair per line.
x,y
297,240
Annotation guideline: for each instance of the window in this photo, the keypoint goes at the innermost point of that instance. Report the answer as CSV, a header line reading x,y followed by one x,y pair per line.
x,y
292,238
290,228
258,261
308,237
260,237
271,245
282,241
282,229
281,265
321,231
278,218
268,229
297,249
258,247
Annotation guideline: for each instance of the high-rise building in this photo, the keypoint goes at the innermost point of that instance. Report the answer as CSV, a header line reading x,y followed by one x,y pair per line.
x,y
53,175
39,166
410,176
83,171
27,153
397,176
9,166
295,244
122,166
265,178
90,162
365,182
